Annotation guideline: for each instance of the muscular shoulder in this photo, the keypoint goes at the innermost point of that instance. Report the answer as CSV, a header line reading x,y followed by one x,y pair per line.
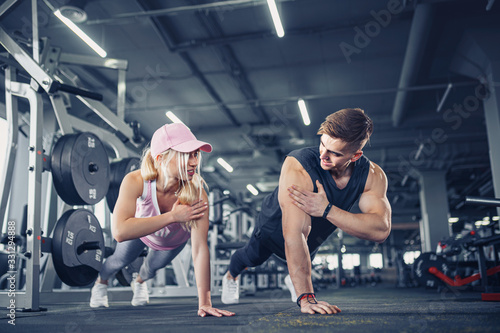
x,y
292,164
293,173
377,180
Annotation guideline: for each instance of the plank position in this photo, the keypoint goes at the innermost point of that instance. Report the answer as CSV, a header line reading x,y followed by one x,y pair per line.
x,y
162,206
317,188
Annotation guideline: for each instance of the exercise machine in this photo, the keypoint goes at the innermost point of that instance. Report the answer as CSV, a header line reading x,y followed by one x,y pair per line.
x,y
432,269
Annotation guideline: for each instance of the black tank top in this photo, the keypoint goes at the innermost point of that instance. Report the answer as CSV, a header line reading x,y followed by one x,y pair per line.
x,y
269,224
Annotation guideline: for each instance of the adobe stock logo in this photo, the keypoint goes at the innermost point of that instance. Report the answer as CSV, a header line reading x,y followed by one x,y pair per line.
x,y
371,29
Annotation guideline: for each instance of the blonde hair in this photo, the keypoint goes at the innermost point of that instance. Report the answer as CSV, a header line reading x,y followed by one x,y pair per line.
x,y
188,192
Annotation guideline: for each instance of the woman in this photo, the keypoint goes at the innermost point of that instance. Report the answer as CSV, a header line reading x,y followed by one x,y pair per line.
x,y
162,205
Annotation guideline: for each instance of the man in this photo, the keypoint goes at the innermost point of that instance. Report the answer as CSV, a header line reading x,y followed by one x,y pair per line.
x,y
315,193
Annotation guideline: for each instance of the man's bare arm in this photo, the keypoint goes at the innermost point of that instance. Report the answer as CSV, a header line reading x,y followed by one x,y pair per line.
x,y
296,228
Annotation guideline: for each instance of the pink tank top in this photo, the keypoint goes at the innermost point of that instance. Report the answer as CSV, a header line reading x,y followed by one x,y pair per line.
x,y
167,238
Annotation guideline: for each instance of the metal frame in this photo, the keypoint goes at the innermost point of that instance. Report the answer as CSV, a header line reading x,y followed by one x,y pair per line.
x,y
30,298
33,244
49,83
6,6
119,64
46,78
27,62
106,137
12,137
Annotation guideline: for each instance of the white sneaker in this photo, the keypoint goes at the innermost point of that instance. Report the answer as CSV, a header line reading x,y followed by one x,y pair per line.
x,y
141,294
99,296
289,285
230,290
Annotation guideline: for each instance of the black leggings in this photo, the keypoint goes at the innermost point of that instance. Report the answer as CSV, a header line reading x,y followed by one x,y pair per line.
x,y
253,254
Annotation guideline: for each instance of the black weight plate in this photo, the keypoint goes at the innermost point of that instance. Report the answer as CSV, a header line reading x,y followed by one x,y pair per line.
x,y
55,167
118,170
75,228
80,169
71,195
90,168
421,269
60,159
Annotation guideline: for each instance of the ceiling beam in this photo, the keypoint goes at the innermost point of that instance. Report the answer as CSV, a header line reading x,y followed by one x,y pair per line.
x,y
211,91
233,66
336,27
164,35
182,9
293,99
417,41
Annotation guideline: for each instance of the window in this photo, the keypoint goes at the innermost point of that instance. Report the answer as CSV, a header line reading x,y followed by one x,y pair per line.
x,y
349,260
376,260
329,260
332,261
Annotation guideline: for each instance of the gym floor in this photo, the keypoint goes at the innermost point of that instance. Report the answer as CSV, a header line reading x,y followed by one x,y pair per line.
x,y
364,309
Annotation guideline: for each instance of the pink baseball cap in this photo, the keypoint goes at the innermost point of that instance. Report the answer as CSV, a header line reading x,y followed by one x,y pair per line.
x,y
178,137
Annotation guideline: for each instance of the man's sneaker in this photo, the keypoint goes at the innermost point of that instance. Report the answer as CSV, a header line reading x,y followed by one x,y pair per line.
x,y
99,295
289,285
230,290
141,294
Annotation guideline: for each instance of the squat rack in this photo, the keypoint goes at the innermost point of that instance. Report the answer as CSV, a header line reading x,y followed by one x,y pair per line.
x,y
45,79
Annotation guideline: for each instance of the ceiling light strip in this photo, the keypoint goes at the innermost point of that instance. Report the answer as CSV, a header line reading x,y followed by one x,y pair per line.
x,y
303,112
170,115
276,18
93,45
224,164
252,189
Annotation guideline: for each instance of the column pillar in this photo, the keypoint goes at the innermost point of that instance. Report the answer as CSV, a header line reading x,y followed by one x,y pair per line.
x,y
434,209
492,116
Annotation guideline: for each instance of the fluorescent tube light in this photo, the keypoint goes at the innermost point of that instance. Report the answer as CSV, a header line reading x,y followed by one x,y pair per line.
x,y
81,34
252,189
303,112
445,95
170,115
276,18
224,164
481,223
